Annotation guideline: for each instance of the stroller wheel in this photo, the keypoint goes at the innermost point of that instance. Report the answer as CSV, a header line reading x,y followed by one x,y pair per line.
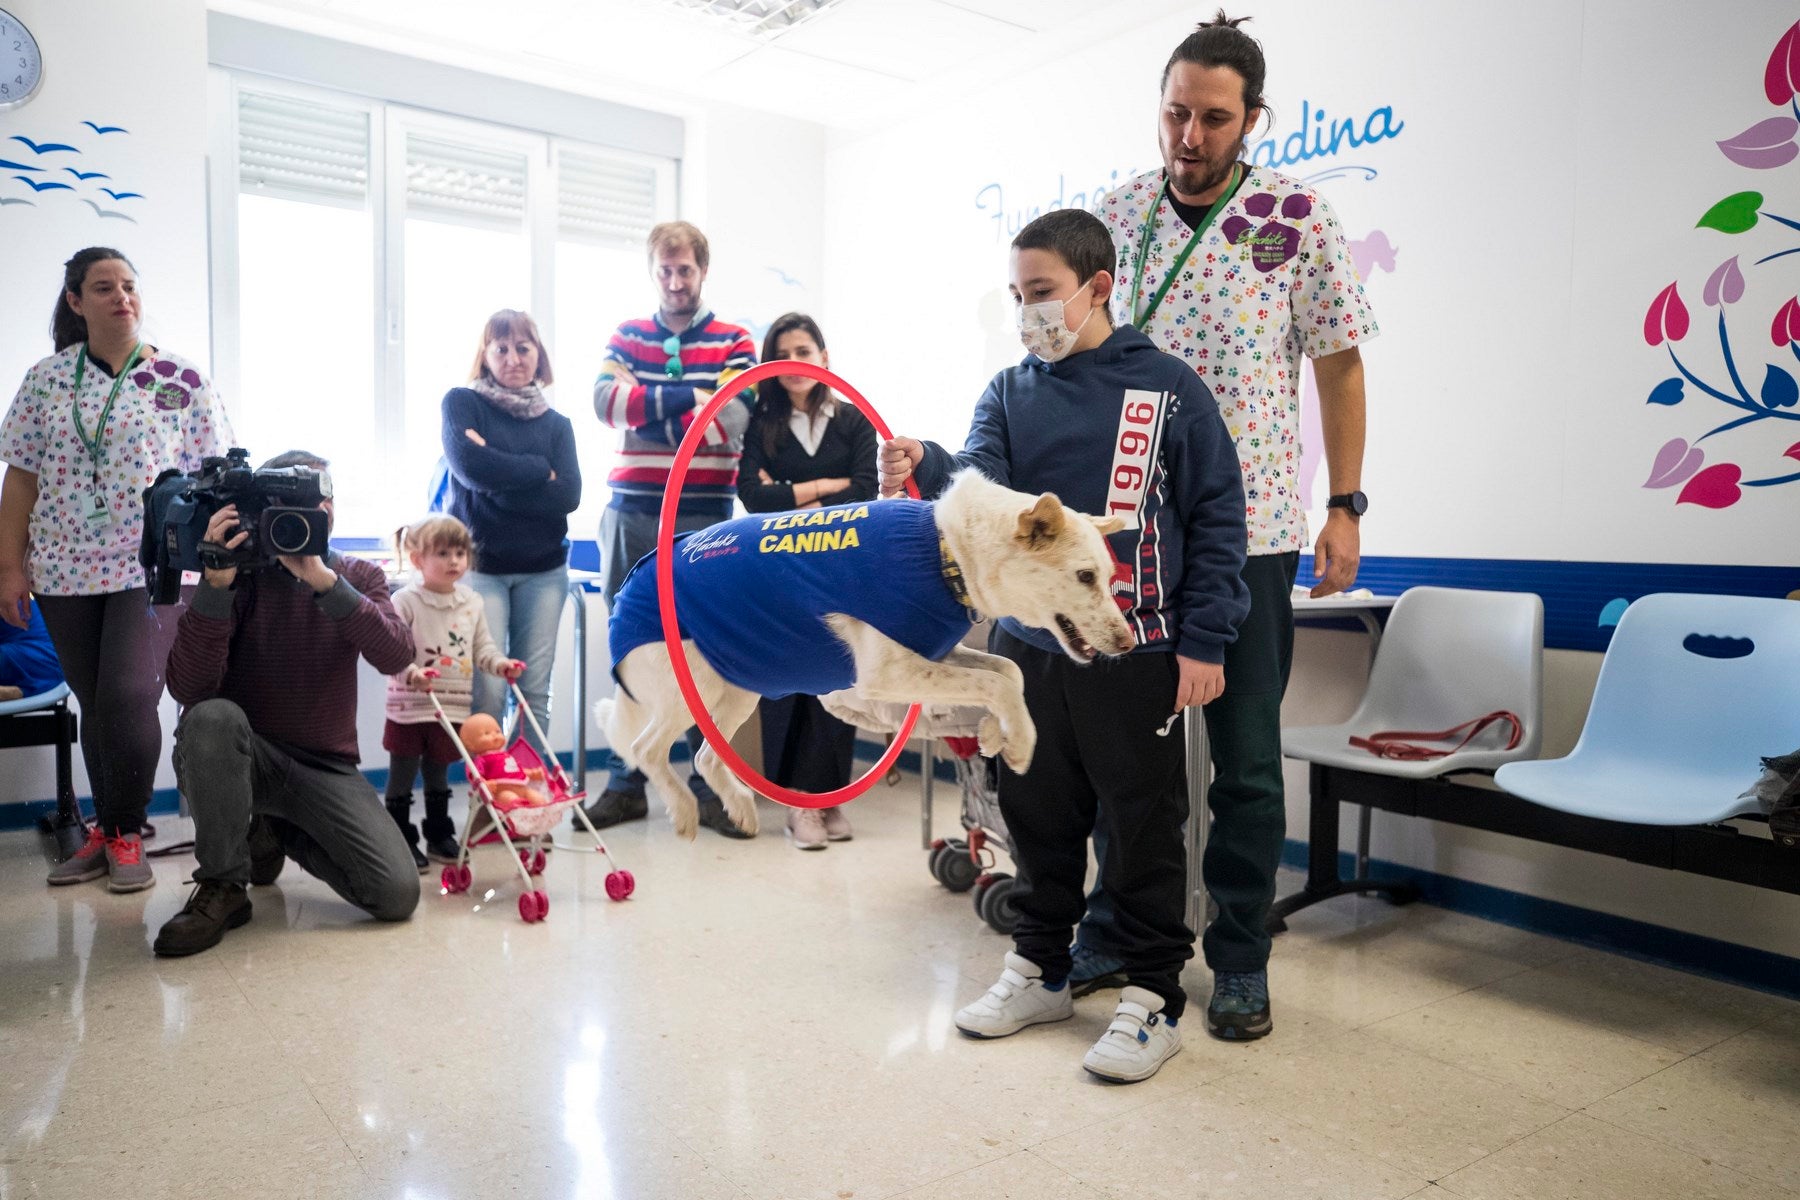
x,y
465,877
956,870
537,862
451,879
996,906
620,885
533,906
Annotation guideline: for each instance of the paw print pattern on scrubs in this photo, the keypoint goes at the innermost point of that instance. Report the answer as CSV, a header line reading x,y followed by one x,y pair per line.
x,y
1271,281
167,415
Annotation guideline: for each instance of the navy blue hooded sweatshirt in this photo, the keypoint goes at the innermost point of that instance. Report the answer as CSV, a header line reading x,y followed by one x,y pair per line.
x,y
1124,428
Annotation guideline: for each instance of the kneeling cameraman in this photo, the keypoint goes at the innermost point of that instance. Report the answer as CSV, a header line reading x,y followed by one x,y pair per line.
x,y
264,665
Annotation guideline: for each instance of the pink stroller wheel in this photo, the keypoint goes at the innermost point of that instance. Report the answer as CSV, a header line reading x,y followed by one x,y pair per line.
x,y
451,880
537,863
620,885
465,877
533,906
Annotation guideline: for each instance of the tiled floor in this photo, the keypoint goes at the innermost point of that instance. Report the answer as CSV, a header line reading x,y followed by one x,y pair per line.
x,y
763,1023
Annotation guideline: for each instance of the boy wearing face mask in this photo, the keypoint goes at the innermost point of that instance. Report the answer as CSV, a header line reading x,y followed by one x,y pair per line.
x,y
1112,425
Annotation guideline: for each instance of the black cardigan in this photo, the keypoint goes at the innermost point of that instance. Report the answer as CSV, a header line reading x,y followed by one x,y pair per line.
x,y
846,451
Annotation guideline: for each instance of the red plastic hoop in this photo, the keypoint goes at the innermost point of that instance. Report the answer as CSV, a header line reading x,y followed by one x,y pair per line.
x,y
665,591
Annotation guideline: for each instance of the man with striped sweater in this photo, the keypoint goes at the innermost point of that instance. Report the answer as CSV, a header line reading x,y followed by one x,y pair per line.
x,y
659,373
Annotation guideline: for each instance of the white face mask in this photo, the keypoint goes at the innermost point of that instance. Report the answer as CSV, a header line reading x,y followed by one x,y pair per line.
x,y
1044,327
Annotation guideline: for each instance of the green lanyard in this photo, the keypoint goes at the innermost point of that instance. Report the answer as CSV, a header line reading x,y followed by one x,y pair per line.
x,y
92,442
1142,317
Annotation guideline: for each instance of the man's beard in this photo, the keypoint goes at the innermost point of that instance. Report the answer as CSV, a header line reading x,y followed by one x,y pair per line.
x,y
685,306
1189,184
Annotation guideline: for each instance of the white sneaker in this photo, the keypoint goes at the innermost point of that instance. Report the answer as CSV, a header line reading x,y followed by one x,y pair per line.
x,y
1137,1042
1017,1000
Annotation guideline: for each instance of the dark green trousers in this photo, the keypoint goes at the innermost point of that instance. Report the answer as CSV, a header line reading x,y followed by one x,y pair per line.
x,y
1247,799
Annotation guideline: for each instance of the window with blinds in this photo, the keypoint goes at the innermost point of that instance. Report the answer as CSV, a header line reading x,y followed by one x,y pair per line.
x,y
604,200
467,185
298,150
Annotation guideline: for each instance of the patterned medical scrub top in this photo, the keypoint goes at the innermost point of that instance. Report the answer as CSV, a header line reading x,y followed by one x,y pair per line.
x,y
1270,281
167,415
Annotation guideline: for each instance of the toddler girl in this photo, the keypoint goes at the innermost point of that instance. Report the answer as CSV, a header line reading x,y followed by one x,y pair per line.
x,y
451,641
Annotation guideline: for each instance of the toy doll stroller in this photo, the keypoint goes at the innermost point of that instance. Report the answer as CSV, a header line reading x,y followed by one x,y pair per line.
x,y
523,827
967,862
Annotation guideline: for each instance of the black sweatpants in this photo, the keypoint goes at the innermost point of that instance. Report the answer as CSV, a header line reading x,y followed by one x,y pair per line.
x,y
1247,799
113,649
1101,769
804,746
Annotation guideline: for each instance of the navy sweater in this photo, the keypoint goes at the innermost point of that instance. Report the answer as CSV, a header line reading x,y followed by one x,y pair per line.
x,y
1124,428
503,492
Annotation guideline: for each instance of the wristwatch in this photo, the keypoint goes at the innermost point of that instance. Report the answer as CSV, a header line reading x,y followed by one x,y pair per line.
x,y
1356,502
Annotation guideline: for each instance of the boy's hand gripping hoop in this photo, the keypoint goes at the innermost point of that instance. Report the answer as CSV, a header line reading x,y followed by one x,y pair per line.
x,y
665,590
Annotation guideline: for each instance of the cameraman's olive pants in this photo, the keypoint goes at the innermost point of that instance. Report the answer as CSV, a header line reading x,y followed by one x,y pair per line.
x,y
326,815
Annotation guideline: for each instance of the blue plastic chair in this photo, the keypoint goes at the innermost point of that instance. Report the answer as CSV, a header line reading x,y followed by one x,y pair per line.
x,y
33,703
1693,690
45,720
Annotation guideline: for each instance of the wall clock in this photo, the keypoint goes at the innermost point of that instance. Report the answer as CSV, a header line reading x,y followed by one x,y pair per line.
x,y
21,62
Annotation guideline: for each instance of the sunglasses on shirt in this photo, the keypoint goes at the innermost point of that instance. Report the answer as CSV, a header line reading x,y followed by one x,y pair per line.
x,y
672,347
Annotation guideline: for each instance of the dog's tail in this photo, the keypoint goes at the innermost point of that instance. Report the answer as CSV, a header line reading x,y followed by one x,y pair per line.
x,y
607,713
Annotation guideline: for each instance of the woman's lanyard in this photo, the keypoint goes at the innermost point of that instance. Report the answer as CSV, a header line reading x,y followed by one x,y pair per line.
x,y
94,443
1141,318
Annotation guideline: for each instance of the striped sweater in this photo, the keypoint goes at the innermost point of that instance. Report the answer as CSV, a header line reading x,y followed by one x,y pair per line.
x,y
288,658
652,413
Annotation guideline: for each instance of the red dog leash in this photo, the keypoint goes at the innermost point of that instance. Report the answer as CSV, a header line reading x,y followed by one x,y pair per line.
x,y
1405,744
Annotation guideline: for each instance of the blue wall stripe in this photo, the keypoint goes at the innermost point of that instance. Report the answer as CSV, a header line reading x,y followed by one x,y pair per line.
x,y
1574,593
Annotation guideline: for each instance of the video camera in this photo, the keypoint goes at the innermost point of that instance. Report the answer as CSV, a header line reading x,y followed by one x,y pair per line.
x,y
277,506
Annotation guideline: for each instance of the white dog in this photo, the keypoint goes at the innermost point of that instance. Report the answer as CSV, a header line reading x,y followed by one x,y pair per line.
x,y
873,598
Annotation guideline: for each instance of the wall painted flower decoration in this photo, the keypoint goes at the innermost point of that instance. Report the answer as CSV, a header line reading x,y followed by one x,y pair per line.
x,y
1755,396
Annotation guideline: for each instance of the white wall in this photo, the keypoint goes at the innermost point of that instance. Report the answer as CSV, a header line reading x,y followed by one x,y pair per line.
x,y
163,156
1550,164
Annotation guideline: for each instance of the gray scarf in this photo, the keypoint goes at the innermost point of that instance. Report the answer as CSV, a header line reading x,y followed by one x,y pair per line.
x,y
524,403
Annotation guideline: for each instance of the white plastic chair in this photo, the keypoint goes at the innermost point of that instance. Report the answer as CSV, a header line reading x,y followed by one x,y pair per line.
x,y
1448,655
1693,690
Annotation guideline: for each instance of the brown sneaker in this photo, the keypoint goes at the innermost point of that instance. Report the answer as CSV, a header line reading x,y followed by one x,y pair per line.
x,y
837,824
807,828
126,870
87,863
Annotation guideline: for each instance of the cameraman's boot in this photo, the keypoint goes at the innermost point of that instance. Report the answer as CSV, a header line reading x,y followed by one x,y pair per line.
x,y
400,808
440,834
213,907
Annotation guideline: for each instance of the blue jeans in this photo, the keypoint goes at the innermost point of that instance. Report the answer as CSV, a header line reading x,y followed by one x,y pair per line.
x,y
523,613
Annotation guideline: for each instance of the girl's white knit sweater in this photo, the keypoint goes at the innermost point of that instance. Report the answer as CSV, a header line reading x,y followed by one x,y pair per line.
x,y
450,636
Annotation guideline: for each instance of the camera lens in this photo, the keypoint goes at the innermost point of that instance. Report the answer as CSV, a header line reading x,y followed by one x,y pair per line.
x,y
289,532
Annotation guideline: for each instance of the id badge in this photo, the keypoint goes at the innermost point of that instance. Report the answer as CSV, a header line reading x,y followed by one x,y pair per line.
x,y
96,512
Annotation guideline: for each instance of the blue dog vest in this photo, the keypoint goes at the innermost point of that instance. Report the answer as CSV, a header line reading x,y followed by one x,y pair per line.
x,y
753,593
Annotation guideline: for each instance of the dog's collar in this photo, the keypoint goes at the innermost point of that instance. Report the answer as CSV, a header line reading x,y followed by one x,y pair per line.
x,y
953,579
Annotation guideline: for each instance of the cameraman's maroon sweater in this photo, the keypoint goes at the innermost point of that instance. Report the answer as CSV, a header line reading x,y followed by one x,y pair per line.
x,y
288,658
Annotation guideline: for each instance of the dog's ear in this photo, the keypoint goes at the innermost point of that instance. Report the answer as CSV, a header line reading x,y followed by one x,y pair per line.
x,y
1108,524
1040,524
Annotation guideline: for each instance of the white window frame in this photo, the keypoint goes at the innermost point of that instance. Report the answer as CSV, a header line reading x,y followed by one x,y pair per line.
x,y
389,125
